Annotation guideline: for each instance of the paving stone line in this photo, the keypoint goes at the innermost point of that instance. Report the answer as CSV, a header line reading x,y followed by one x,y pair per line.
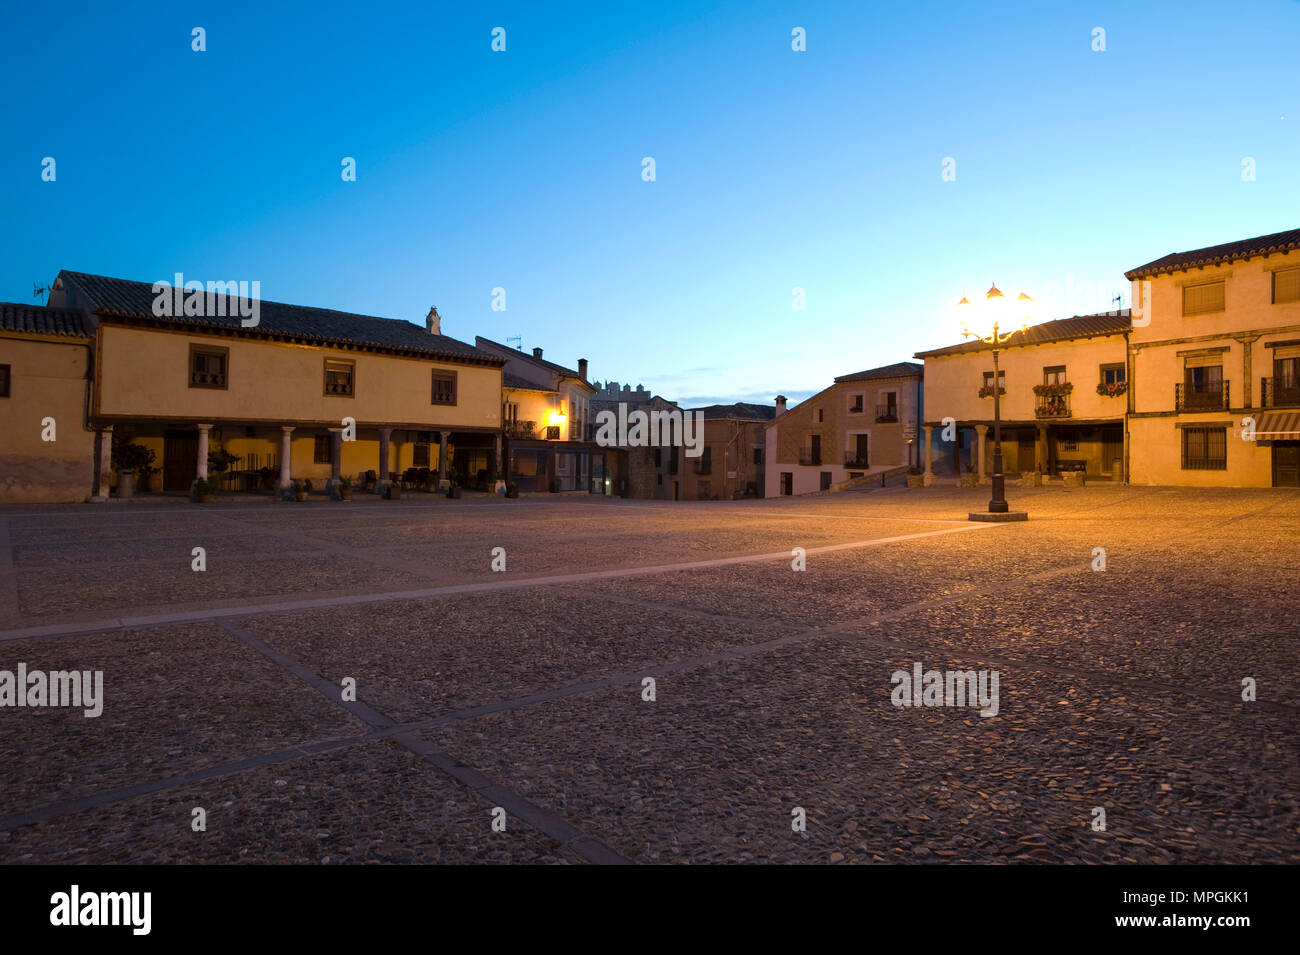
x,y
217,613
544,821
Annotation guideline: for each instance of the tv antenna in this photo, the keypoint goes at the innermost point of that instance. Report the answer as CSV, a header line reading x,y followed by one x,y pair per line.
x,y
37,291
517,341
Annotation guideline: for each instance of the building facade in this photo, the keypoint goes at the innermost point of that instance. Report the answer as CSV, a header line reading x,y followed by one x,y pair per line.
x,y
302,394
547,416
864,425
47,440
732,464
1215,359
1063,385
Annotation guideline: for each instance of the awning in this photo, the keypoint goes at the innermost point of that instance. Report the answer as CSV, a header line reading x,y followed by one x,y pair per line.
x,y
1278,425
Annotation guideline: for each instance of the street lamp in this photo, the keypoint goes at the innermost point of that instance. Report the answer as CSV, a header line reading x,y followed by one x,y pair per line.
x,y
996,312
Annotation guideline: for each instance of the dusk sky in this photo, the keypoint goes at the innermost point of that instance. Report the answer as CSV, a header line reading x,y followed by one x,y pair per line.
x,y
522,169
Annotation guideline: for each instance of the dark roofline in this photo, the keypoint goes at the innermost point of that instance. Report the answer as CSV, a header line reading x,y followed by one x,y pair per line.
x,y
196,323
552,366
1276,242
1069,329
19,318
899,369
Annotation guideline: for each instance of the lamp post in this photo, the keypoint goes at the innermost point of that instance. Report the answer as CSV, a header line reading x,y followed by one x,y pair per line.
x,y
997,311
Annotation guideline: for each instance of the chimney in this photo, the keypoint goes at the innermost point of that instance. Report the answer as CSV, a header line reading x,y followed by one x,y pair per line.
x,y
780,405
582,368
433,321
537,353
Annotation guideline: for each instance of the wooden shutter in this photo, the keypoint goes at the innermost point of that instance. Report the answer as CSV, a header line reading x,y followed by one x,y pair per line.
x,y
1202,299
1286,285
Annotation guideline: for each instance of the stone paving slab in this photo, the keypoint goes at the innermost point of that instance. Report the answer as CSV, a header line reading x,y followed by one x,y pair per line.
x,y
419,659
711,770
175,699
377,803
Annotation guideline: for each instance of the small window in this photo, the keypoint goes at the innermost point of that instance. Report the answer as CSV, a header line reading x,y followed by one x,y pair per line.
x,y
758,457
856,403
1002,381
1112,374
208,366
4,381
444,387
787,482
321,453
1205,449
339,377
553,432
420,455
1286,286
1054,375
1203,299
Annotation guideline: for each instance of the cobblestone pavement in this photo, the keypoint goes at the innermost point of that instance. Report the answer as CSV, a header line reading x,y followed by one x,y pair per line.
x,y
519,695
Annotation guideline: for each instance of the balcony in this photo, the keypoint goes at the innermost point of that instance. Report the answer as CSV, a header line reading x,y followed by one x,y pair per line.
x,y
1208,398
703,466
886,414
854,460
809,459
1279,392
1052,406
523,430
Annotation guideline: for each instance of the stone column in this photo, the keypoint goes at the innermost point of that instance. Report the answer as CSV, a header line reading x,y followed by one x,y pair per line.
x,y
104,442
1040,449
286,461
981,433
336,460
385,436
929,454
501,465
202,470
443,438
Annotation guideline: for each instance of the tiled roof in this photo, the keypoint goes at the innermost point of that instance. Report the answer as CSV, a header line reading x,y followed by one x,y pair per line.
x,y
514,381
529,356
122,298
902,369
1215,254
741,409
39,320
1062,329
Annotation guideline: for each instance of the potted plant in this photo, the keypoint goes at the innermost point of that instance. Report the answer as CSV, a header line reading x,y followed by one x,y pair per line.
x,y
987,391
1112,390
149,478
453,486
345,488
220,460
915,477
203,490
301,489
129,458
969,478
394,491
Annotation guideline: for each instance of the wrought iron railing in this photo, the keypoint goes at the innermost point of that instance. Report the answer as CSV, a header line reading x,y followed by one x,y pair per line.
x,y
1207,398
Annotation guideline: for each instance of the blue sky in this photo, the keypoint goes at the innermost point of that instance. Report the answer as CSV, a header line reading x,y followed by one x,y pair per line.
x,y
775,169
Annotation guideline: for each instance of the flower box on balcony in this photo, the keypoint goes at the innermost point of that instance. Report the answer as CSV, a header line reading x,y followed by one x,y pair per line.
x,y
1112,390
1053,391
987,391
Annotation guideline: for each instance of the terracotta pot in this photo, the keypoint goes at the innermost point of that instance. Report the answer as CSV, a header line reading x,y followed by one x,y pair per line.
x,y
916,480
394,492
345,494
300,495
204,498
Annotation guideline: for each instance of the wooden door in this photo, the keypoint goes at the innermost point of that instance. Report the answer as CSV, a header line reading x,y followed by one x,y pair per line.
x,y
1286,464
180,460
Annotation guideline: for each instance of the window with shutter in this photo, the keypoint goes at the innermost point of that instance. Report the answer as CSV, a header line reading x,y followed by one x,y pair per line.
x,y
1202,299
1286,286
